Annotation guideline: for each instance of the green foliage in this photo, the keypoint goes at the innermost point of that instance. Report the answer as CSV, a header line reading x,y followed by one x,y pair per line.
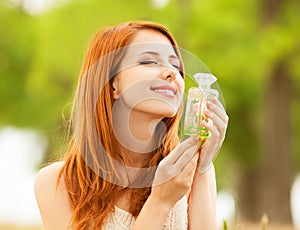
x,y
15,58
41,57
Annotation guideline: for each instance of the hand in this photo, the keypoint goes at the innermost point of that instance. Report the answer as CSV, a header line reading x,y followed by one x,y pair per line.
x,y
175,173
217,125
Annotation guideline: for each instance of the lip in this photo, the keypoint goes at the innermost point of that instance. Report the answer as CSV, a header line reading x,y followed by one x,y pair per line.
x,y
172,88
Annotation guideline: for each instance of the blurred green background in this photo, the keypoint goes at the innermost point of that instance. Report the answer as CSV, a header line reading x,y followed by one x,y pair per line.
x,y
251,46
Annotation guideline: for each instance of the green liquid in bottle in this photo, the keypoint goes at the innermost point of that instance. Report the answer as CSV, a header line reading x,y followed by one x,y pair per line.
x,y
196,105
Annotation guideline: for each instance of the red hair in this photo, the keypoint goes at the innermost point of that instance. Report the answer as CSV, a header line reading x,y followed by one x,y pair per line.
x,y
91,196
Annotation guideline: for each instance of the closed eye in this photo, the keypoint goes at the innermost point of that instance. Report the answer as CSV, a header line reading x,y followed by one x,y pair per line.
x,y
176,66
148,62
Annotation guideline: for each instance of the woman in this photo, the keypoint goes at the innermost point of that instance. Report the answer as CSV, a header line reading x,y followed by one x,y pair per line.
x,y
125,167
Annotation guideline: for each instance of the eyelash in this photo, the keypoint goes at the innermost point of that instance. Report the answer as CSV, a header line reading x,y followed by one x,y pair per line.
x,y
154,62
176,67
148,62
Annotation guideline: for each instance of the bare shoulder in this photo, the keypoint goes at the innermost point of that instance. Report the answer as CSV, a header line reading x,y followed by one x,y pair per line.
x,y
48,173
46,180
52,198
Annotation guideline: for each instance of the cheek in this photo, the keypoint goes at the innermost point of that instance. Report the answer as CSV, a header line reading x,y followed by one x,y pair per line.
x,y
180,83
136,76
126,79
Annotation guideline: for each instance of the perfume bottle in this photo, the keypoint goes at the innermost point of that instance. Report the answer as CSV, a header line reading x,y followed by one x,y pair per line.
x,y
196,105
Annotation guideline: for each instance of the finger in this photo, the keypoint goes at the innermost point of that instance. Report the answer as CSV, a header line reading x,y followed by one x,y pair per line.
x,y
219,111
164,174
217,121
186,157
174,169
217,102
220,119
167,172
215,134
175,154
190,167
222,127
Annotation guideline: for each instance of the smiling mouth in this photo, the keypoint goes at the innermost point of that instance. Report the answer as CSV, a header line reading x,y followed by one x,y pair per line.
x,y
167,91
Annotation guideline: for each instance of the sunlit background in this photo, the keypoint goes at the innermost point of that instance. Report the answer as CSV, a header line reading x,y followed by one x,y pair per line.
x,y
252,47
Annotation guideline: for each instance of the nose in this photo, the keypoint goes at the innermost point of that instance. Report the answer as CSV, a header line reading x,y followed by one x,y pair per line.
x,y
169,73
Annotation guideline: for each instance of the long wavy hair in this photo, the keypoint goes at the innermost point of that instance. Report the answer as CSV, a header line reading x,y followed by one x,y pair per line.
x,y
89,171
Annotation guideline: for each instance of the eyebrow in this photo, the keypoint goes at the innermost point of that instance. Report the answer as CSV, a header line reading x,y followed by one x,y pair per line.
x,y
172,56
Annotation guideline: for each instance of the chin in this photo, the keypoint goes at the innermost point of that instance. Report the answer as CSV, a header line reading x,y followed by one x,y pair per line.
x,y
170,113
158,108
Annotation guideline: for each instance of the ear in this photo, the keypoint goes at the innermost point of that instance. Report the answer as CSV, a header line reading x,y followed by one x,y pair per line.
x,y
115,89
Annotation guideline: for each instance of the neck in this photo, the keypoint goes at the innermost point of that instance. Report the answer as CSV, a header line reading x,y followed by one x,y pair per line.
x,y
137,135
142,126
135,131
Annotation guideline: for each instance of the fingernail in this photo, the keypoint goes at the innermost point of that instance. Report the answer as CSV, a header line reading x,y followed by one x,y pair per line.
x,y
207,112
208,104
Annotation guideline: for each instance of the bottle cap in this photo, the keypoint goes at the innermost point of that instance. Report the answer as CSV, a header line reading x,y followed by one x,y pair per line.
x,y
205,80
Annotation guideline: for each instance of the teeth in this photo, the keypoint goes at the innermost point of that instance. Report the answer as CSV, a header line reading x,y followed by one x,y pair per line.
x,y
166,91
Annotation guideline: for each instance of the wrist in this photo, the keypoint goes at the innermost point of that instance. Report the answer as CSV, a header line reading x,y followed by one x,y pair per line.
x,y
159,206
205,175
204,169
152,215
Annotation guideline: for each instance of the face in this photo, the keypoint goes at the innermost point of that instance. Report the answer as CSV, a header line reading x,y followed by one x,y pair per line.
x,y
149,80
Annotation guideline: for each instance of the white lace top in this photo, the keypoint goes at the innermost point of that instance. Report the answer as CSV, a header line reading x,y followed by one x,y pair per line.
x,y
123,220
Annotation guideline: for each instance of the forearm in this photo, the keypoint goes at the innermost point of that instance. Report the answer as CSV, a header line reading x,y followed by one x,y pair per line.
x,y
152,215
202,202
